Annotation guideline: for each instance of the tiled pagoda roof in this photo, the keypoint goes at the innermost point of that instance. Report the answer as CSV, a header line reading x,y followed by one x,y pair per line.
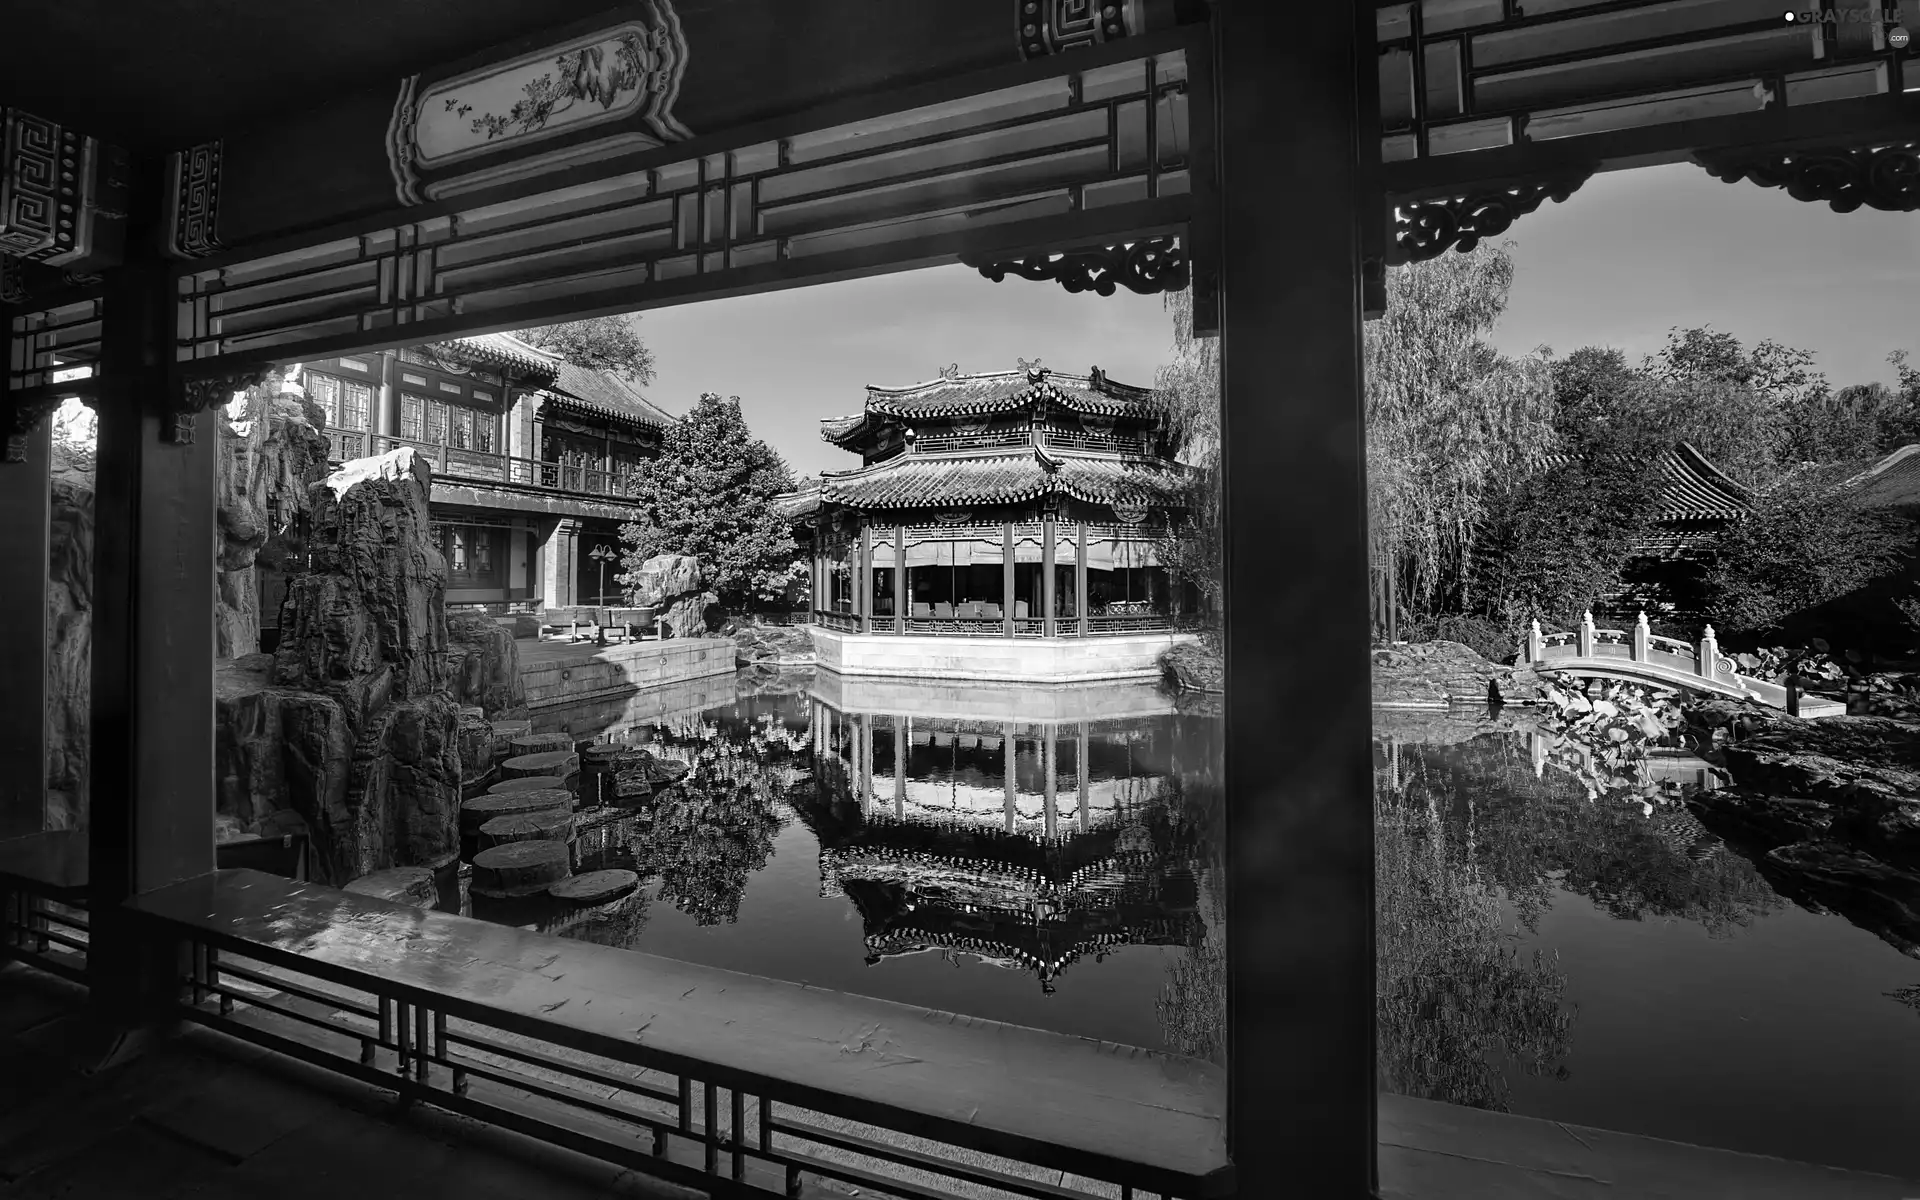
x,y
994,392
1693,489
932,480
503,350
603,395
1892,482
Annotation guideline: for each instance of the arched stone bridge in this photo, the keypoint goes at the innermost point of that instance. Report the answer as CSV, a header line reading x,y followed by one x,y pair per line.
x,y
1638,655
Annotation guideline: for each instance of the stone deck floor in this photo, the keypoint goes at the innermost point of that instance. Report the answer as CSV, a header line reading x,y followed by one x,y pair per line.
x,y
200,1116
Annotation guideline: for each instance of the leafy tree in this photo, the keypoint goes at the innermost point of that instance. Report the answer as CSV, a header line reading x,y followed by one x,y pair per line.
x,y
709,494
1801,547
610,344
1187,392
1449,419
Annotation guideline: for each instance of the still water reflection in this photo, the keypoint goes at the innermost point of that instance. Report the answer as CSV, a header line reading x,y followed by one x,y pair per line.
x,y
1032,856
1606,961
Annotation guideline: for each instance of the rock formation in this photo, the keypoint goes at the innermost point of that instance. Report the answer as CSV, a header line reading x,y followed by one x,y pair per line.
x,y
272,452
69,632
1437,674
1828,810
673,586
355,723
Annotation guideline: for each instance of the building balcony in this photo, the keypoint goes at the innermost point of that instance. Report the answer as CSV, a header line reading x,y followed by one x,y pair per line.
x,y
451,463
1108,646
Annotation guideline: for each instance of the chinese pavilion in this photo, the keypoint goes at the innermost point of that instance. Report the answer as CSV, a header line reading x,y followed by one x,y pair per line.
x,y
1000,526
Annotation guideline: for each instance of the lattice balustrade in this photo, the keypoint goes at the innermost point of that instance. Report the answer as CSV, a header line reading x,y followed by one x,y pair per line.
x,y
1110,136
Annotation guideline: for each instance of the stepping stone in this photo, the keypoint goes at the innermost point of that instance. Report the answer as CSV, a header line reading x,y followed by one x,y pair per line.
x,y
604,754
539,743
546,762
552,825
596,887
528,783
481,809
506,731
665,772
520,868
399,885
636,784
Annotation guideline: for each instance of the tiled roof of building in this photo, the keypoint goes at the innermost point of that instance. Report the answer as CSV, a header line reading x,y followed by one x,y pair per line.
x,y
995,392
603,395
504,350
916,481
1693,489
1891,483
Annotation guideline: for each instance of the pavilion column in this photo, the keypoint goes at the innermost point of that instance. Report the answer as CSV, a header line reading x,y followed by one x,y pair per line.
x,y
863,578
1050,763
1080,579
1012,757
26,491
902,738
386,416
1080,761
1047,535
1291,197
151,720
900,578
559,558
1006,576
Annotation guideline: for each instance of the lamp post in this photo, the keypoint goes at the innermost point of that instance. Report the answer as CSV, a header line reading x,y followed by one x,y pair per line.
x,y
602,554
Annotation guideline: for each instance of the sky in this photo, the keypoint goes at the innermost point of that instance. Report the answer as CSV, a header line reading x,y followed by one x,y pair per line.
x,y
1628,256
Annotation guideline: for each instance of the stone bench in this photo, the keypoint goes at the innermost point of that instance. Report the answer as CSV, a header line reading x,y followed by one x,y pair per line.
x,y
1146,1119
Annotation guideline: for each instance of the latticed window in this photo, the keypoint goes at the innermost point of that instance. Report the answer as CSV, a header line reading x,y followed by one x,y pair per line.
x,y
483,552
413,411
324,390
483,439
459,427
436,423
356,404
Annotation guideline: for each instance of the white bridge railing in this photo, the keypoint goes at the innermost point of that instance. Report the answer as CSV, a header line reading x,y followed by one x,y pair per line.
x,y
1638,645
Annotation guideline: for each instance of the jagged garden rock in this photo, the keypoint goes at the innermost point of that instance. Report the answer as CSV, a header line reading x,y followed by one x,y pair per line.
x,y
1436,674
483,665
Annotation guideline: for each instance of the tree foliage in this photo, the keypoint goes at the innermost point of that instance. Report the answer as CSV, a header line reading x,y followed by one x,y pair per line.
x,y
1448,418
1187,392
610,344
710,494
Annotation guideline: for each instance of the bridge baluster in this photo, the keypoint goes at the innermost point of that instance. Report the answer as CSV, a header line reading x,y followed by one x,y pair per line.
x,y
1583,646
1642,640
1706,665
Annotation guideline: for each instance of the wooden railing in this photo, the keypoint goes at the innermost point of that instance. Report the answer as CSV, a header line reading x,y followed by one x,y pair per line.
x,y
996,440
452,462
1098,624
1099,443
844,622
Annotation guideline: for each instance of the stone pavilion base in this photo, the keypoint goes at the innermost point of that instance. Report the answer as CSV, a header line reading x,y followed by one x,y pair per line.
x,y
1004,660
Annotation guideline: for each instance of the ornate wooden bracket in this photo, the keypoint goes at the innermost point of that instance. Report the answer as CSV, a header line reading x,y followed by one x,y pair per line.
x,y
206,394
1886,177
1148,266
23,417
1430,228
63,195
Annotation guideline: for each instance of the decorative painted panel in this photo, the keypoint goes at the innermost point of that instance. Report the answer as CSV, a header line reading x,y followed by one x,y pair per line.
x,y
62,194
899,188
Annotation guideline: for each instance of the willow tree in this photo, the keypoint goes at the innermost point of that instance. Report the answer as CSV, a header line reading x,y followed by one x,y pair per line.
x,y
1187,392
1449,418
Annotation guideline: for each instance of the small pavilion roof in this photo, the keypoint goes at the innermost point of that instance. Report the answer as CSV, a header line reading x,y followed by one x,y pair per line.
x,y
923,480
503,350
1695,490
1892,482
994,392
603,395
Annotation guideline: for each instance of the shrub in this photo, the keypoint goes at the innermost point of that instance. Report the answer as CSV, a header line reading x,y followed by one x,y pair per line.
x,y
1800,548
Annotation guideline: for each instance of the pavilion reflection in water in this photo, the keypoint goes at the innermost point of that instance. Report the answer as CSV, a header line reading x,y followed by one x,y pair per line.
x,y
1027,827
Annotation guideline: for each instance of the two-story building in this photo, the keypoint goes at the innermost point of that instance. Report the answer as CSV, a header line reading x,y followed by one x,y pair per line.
x,y
532,458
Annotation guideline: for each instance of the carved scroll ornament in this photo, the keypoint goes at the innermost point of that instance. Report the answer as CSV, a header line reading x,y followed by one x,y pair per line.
x,y
1430,228
23,417
207,393
1147,267
1881,177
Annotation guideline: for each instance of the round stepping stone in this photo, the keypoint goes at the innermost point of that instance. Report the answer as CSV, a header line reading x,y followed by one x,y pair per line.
x,y
604,754
481,809
528,783
632,785
506,731
540,743
553,825
546,762
520,868
399,885
596,887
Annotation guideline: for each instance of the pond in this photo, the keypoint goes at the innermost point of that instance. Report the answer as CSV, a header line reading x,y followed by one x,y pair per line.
x,y
1035,856
1580,958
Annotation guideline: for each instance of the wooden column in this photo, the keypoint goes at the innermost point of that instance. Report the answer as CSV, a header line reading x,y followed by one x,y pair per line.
x,y
863,747
900,578
1012,790
26,499
863,578
1299,815
902,738
1050,764
1047,534
1007,565
151,719
1080,578
1086,789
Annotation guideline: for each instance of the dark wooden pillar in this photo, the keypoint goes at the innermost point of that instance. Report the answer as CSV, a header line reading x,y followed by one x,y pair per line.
x,y
26,499
1007,569
151,718
863,578
1086,787
1012,763
902,738
1050,763
1080,578
900,578
1048,531
1299,832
